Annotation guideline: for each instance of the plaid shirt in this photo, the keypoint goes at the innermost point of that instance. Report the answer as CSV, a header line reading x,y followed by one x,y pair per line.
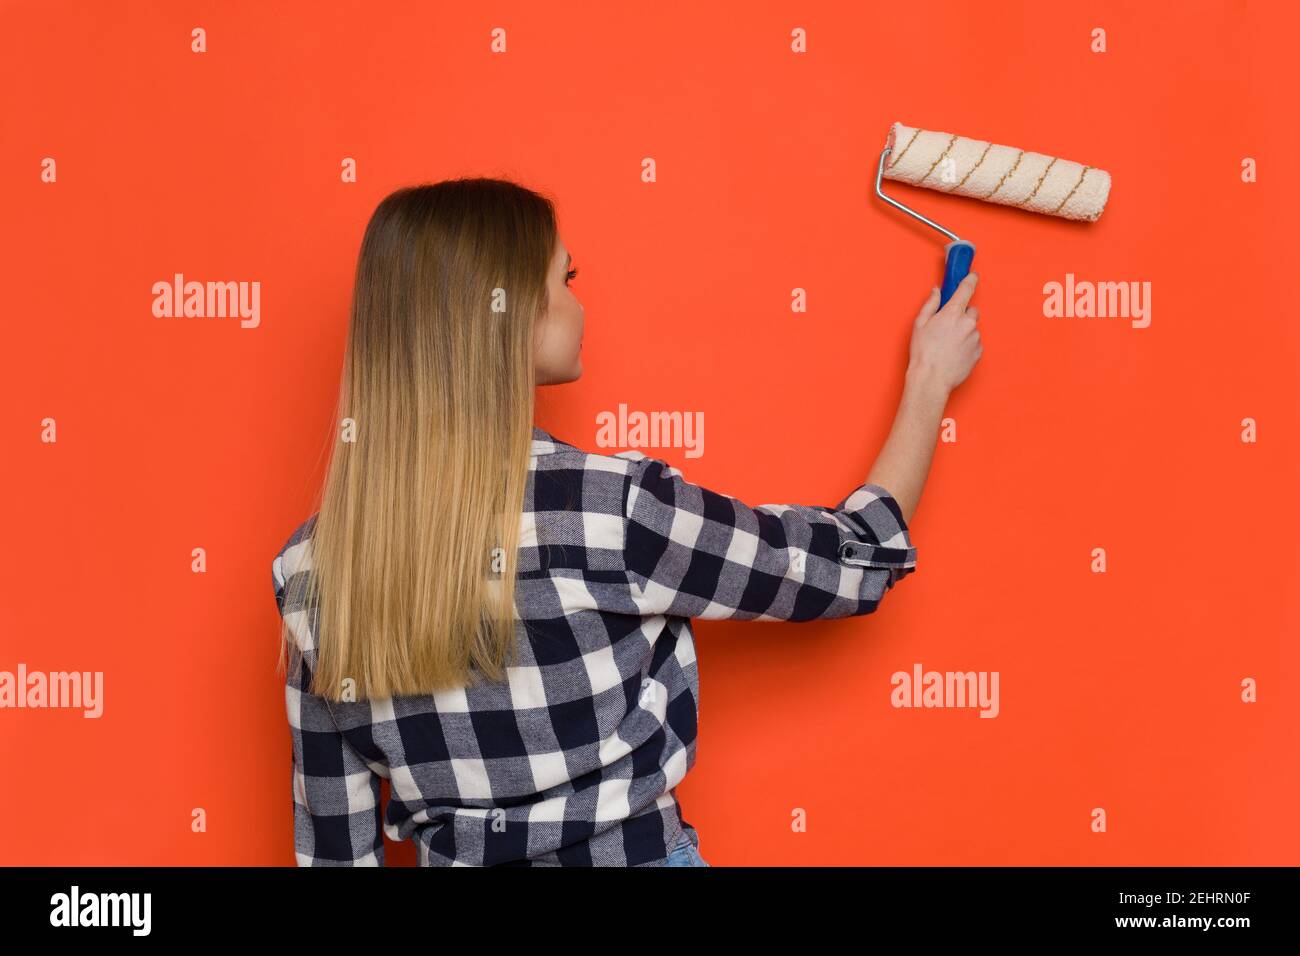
x,y
573,760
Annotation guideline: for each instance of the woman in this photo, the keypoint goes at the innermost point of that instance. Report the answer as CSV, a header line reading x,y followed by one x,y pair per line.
x,y
533,704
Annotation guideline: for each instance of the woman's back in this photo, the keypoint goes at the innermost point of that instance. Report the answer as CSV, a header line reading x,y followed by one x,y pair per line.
x,y
572,760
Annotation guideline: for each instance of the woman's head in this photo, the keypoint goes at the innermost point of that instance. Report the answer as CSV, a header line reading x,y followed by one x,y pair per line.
x,y
455,254
461,307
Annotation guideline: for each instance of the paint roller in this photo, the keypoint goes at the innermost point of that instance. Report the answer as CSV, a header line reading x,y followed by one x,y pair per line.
x,y
993,173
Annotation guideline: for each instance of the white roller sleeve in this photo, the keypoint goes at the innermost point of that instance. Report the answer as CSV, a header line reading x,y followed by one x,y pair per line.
x,y
1000,174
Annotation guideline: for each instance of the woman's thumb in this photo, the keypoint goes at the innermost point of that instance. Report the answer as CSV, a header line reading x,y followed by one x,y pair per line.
x,y
930,307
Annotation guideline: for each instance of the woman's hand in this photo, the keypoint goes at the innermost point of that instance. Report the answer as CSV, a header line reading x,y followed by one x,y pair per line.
x,y
945,347
945,342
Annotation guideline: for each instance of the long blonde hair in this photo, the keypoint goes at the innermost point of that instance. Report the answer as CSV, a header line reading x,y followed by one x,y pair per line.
x,y
413,553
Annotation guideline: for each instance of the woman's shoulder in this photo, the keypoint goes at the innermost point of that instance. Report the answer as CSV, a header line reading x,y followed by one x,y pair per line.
x,y
553,452
568,477
294,554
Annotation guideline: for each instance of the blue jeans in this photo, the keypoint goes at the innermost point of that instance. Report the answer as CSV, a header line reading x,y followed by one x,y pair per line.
x,y
686,853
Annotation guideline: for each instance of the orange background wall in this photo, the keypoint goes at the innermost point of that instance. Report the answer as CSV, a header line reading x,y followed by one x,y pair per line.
x,y
1118,690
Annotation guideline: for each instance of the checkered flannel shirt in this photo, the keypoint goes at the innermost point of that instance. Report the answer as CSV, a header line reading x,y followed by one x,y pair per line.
x,y
573,760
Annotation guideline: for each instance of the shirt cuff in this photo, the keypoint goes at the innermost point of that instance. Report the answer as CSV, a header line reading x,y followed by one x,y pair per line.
x,y
880,535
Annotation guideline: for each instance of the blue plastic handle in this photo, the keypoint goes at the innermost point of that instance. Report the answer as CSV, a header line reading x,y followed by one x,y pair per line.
x,y
960,255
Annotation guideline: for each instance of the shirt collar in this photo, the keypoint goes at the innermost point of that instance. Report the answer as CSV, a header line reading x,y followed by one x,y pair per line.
x,y
543,442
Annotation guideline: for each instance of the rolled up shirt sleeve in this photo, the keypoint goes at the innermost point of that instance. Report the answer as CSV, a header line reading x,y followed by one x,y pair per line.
x,y
693,552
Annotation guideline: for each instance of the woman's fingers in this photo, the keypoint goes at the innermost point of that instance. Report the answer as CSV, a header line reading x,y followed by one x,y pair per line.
x,y
961,296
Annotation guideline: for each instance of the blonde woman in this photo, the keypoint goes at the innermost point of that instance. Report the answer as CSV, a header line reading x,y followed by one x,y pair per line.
x,y
533,703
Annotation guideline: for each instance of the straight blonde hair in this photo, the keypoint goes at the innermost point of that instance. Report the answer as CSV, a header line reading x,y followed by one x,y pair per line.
x,y
413,552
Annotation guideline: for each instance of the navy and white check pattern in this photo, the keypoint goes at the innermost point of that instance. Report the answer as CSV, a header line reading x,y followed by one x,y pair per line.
x,y
573,760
